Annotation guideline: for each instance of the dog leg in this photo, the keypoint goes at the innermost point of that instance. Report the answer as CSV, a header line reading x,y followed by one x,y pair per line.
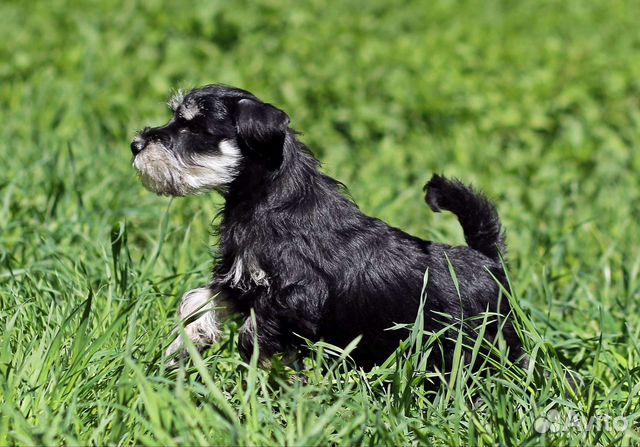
x,y
274,332
267,335
202,322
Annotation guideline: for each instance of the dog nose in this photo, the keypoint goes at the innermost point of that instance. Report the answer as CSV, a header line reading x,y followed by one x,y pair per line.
x,y
137,145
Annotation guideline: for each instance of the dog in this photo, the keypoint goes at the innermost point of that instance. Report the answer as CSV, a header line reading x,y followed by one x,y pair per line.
x,y
297,258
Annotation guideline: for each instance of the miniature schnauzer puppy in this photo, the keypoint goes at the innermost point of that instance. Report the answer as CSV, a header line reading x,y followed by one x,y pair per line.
x,y
299,253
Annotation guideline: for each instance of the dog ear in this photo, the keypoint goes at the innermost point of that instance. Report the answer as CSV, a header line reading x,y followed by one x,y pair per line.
x,y
261,130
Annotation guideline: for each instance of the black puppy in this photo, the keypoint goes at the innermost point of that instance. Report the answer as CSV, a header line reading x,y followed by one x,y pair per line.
x,y
300,254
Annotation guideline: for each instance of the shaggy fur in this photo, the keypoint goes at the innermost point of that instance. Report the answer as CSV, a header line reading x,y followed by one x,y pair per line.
x,y
301,255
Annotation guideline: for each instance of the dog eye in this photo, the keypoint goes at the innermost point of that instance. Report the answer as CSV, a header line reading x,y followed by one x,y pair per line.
x,y
200,128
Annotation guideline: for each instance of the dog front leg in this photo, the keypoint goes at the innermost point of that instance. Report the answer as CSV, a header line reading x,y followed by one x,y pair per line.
x,y
267,334
202,319
299,314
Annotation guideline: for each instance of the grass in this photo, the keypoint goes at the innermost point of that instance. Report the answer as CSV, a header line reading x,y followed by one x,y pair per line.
x,y
536,103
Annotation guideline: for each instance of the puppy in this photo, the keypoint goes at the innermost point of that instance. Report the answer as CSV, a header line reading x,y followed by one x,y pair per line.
x,y
300,254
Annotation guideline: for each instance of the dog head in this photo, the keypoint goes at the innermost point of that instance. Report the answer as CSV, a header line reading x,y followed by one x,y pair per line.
x,y
214,133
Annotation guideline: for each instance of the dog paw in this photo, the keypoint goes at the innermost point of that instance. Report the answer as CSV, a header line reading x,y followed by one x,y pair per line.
x,y
201,325
175,353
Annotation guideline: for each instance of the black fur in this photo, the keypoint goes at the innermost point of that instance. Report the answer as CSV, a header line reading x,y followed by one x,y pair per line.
x,y
332,272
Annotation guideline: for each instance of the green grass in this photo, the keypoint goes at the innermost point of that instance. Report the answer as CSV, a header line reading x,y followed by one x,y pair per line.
x,y
535,102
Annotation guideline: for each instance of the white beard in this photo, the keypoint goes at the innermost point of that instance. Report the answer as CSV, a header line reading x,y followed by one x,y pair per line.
x,y
166,173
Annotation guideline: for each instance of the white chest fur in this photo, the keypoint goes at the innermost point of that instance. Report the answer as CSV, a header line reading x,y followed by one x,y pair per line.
x,y
244,273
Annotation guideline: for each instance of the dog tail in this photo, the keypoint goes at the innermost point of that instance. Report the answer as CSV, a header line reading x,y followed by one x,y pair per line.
x,y
477,215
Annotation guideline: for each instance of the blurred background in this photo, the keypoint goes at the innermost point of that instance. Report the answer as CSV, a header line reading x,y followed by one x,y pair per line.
x,y
537,103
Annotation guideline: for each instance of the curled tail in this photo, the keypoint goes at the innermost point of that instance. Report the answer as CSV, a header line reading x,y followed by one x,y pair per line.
x,y
477,215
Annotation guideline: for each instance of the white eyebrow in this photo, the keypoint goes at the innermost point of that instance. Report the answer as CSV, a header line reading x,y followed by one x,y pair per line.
x,y
189,109
175,100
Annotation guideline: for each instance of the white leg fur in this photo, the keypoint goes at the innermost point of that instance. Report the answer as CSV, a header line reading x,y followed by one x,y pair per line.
x,y
203,325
